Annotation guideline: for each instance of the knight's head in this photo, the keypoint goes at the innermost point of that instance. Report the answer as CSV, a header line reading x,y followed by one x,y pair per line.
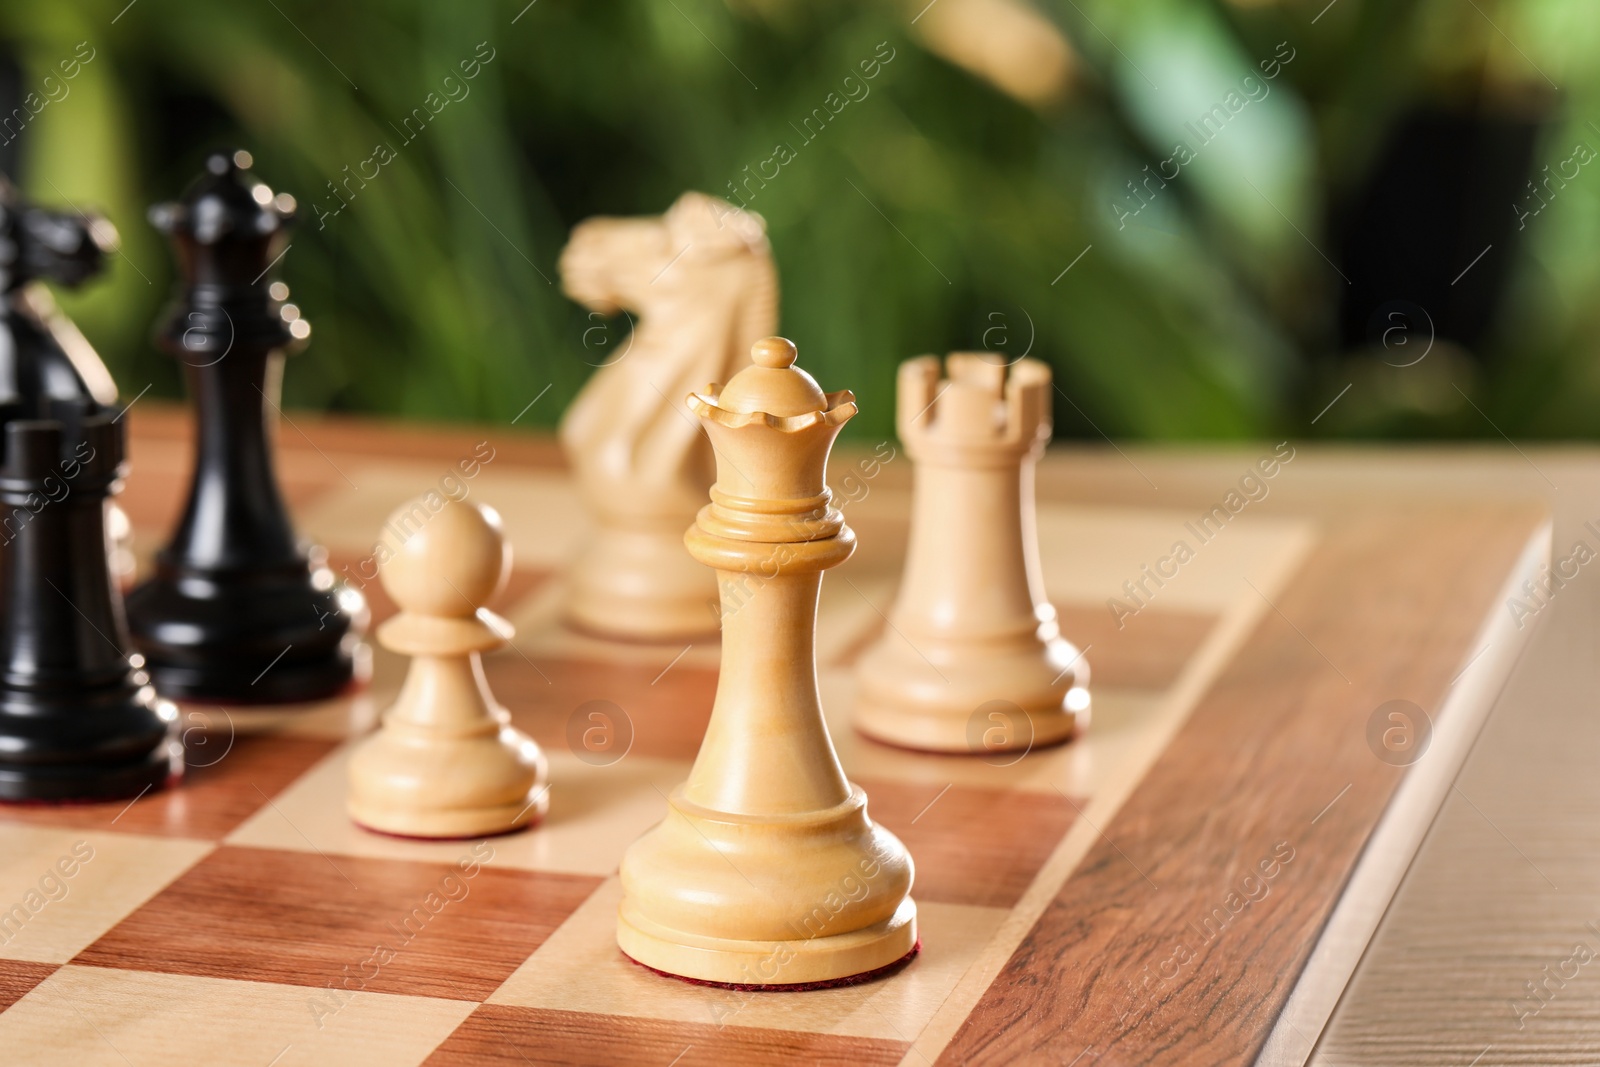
x,y
66,247
615,263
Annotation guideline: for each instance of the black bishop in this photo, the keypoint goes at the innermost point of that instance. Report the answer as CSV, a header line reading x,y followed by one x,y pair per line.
x,y
237,610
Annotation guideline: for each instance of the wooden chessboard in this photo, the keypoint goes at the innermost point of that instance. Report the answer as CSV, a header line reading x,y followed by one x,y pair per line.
x,y
1191,882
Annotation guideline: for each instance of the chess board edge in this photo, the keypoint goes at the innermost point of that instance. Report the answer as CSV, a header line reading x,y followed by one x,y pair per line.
x,y
1128,959
1406,823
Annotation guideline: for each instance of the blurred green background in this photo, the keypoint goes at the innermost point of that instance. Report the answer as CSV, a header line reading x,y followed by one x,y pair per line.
x,y
1309,244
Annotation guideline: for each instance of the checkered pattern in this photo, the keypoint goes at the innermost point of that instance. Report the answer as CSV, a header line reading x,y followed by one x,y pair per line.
x,y
242,919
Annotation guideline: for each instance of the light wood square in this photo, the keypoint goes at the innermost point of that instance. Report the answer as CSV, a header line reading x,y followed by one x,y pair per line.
x,y
1081,768
48,916
1087,551
595,814
581,969
96,1017
543,519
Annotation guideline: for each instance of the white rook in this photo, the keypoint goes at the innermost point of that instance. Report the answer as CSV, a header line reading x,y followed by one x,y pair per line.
x,y
973,659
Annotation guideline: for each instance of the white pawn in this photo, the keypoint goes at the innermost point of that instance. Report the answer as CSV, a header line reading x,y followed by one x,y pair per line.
x,y
445,761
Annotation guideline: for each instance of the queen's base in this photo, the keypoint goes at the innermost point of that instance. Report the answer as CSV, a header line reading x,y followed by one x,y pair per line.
x,y
767,900
830,958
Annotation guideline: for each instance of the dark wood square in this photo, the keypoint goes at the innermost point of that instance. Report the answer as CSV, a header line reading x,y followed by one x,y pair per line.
x,y
1148,652
668,709
17,979
498,1035
971,845
229,776
303,918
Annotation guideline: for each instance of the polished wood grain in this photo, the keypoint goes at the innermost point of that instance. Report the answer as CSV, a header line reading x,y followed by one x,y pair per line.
x,y
99,1017
502,1036
1145,653
1122,960
302,919
972,845
157,422
18,977
229,775
667,709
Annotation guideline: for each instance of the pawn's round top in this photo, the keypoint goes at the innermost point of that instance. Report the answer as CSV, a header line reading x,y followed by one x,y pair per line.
x,y
772,384
445,562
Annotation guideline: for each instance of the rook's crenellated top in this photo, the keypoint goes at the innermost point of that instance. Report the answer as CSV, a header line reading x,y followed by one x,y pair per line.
x,y
983,406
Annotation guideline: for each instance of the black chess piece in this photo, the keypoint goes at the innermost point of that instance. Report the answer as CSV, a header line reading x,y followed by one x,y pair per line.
x,y
78,719
42,355
237,611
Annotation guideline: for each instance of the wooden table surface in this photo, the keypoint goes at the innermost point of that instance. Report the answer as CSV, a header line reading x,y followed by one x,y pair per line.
x,y
1501,890
1506,890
